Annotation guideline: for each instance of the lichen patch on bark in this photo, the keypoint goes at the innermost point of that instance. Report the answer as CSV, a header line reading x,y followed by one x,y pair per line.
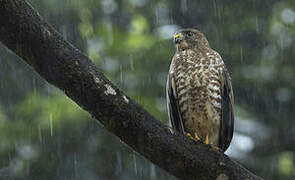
x,y
222,177
109,90
125,99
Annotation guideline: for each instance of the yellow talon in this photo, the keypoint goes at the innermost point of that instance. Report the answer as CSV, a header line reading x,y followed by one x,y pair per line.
x,y
197,137
190,136
216,148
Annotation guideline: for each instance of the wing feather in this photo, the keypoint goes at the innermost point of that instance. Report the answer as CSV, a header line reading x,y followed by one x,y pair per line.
x,y
227,117
172,105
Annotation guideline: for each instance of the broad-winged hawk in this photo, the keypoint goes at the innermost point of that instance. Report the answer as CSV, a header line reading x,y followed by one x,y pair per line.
x,y
199,91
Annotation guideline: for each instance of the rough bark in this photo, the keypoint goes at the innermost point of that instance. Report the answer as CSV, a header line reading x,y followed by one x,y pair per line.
x,y
24,32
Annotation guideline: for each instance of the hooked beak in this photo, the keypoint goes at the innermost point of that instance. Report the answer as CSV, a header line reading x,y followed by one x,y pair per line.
x,y
176,38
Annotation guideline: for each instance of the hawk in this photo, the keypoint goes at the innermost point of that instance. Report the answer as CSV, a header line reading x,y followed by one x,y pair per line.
x,y
199,91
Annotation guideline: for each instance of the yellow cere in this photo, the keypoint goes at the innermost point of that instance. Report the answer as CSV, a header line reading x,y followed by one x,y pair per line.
x,y
176,36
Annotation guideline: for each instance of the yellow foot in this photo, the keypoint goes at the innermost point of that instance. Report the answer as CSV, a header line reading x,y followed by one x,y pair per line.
x,y
190,136
196,138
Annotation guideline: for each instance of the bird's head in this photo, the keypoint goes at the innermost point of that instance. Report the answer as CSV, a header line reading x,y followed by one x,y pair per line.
x,y
189,39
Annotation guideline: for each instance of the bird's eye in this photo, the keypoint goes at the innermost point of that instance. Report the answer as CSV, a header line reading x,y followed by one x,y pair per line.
x,y
189,34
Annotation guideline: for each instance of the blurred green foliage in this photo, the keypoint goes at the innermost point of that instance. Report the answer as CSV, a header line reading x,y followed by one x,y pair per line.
x,y
44,135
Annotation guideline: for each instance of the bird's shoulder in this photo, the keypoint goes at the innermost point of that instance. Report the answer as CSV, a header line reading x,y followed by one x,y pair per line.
x,y
214,57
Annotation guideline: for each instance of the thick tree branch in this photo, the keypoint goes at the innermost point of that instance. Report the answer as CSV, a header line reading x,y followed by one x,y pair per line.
x,y
38,44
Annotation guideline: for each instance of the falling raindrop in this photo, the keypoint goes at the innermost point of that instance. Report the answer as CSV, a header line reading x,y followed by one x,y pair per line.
x,y
153,172
75,164
121,73
40,133
149,80
215,7
119,163
134,163
34,85
162,14
110,38
131,61
183,6
241,54
257,24
9,156
51,124
64,31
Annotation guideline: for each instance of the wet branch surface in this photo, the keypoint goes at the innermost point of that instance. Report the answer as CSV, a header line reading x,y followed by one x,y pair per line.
x,y
24,32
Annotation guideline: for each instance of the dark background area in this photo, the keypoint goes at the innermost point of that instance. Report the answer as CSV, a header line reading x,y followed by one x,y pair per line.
x,y
44,135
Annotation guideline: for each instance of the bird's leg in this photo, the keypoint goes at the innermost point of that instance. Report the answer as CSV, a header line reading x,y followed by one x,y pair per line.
x,y
207,140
